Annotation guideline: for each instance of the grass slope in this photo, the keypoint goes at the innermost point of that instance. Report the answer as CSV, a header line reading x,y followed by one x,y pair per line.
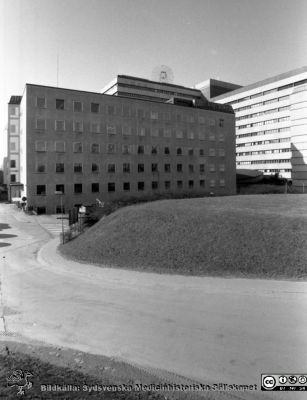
x,y
252,236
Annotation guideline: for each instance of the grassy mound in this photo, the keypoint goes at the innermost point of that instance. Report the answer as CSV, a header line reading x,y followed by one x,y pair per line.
x,y
252,236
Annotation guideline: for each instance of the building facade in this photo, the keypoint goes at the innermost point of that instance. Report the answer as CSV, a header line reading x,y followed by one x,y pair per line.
x,y
271,126
13,143
92,146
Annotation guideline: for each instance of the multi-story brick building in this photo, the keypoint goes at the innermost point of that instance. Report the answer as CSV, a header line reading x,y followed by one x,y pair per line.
x,y
92,146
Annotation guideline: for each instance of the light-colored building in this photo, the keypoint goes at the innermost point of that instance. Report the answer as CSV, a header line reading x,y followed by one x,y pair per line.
x,y
13,146
93,146
144,89
271,125
213,87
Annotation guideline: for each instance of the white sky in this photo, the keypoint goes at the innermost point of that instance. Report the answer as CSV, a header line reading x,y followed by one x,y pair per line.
x,y
240,41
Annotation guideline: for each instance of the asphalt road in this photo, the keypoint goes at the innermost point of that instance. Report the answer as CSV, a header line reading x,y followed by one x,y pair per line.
x,y
212,330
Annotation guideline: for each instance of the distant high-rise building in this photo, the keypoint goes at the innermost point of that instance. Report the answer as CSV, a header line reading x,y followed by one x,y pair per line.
x,y
271,125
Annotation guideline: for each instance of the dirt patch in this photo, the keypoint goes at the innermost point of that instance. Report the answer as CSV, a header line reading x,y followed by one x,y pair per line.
x,y
63,373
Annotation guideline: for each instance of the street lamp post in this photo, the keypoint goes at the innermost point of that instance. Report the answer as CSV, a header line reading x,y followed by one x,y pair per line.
x,y
60,193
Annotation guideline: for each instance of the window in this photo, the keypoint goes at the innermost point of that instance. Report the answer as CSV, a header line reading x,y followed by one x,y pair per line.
x,y
179,134
201,152
78,126
167,185
141,186
179,167
126,186
212,136
154,167
95,127
140,167
60,188
41,190
222,167
212,182
190,152
221,137
211,152
111,148
78,188
59,104
13,128
141,131
201,136
179,184
166,150
59,167
167,132
126,111
125,149
222,182
179,151
94,107
191,168
126,130
111,130
154,115
13,146
212,122
13,164
191,184
41,102
41,168
59,125
201,120
95,148
78,167
95,187
154,185
40,146
77,147
202,183
140,113
190,135
221,123
161,132
111,110
154,131
111,168
167,167
77,106
212,168
201,168
221,152
13,178
154,150
95,167
60,147
41,124
141,149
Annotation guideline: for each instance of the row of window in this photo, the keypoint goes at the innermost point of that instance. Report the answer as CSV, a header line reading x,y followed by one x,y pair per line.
x,y
256,153
261,142
278,89
126,130
263,162
127,168
266,132
126,186
272,110
262,103
59,146
127,111
267,122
